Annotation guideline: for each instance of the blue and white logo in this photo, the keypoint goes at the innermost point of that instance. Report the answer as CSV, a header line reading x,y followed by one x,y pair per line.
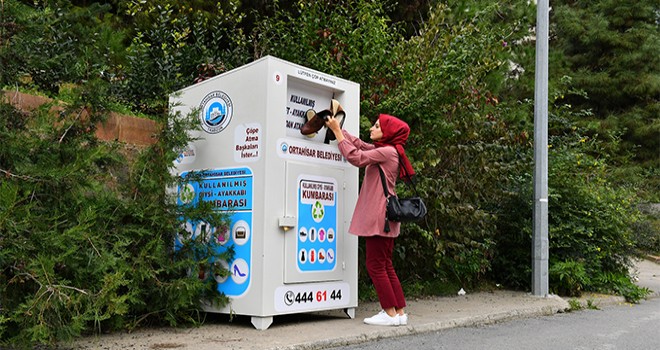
x,y
216,111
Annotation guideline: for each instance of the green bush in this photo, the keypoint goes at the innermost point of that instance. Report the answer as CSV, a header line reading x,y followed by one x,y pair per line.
x,y
464,141
647,234
621,283
590,221
86,237
568,278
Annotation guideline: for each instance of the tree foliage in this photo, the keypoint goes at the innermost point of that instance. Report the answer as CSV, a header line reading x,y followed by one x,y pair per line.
x,y
86,237
463,141
591,235
612,51
175,44
353,39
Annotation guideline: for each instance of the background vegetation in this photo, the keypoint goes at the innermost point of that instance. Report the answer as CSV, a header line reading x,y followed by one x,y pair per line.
x,y
86,227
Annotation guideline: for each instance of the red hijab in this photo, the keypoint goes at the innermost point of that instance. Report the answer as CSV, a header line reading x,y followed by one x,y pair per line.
x,y
395,134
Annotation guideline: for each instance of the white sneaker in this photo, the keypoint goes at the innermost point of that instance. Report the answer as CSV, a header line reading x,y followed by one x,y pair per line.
x,y
383,319
403,319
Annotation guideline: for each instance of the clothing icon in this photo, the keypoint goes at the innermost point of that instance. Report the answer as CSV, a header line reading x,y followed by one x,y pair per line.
x,y
321,235
204,230
223,237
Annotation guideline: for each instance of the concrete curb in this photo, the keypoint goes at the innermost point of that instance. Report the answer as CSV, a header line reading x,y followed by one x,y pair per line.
x,y
593,300
331,329
559,305
587,302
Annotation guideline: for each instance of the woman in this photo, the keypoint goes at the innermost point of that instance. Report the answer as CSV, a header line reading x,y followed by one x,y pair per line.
x,y
389,135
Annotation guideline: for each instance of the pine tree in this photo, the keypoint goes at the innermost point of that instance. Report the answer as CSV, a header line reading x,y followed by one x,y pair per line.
x,y
611,49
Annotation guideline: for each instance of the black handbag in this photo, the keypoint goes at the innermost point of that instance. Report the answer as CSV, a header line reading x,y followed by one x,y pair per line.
x,y
402,209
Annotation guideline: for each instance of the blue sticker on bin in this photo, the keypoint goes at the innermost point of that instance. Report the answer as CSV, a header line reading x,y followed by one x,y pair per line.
x,y
230,191
317,224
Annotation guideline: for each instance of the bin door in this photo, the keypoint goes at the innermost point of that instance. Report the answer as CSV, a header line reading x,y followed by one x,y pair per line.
x,y
314,248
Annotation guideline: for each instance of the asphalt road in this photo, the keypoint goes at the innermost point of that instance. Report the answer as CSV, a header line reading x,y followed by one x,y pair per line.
x,y
613,327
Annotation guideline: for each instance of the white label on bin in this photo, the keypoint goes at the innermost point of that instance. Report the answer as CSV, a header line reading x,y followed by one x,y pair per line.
x,y
316,77
300,98
247,143
312,296
313,152
187,155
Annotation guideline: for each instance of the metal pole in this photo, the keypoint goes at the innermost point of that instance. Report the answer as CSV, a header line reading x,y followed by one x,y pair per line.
x,y
540,239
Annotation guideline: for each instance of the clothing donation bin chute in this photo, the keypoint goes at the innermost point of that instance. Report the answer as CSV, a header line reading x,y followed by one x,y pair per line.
x,y
289,196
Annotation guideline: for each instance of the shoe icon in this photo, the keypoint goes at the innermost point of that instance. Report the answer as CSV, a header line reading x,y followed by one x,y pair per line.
x,y
237,271
321,256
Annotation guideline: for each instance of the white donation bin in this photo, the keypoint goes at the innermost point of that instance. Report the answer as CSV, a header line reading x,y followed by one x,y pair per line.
x,y
290,197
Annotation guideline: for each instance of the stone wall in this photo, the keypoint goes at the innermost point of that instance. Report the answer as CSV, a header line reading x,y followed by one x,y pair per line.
x,y
127,129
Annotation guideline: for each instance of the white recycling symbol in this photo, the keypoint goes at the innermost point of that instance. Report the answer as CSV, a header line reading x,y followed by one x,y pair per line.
x,y
318,211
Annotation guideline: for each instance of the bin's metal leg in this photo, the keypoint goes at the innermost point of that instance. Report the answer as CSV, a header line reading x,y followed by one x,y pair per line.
x,y
350,312
262,323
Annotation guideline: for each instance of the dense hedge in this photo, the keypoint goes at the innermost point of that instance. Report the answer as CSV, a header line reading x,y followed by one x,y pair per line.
x,y
87,231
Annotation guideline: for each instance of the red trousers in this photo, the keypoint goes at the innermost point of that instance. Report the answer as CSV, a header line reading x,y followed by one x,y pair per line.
x,y
381,271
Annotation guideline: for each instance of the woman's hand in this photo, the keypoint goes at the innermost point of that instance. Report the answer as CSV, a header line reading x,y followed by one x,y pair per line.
x,y
333,124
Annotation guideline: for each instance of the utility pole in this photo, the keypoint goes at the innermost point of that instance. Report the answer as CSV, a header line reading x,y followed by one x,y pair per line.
x,y
540,240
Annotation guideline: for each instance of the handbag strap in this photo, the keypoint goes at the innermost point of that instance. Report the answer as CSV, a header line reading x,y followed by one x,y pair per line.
x,y
382,180
405,171
386,193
